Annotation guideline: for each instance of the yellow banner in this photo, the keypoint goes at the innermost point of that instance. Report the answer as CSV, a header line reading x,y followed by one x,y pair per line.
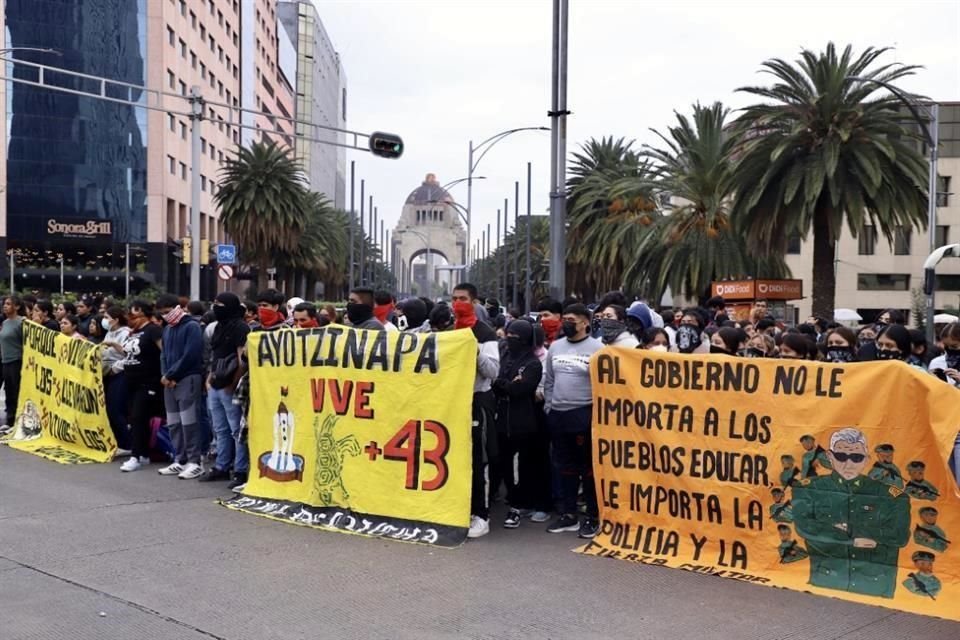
x,y
831,479
365,432
61,412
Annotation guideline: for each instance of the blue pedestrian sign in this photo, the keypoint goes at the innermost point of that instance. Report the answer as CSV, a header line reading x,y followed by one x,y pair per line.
x,y
227,253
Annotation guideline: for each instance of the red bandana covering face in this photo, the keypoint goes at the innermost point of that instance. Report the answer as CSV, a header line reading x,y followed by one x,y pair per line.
x,y
269,317
309,323
381,311
551,327
465,314
174,316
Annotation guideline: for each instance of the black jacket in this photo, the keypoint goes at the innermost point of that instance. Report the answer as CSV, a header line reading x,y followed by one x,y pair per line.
x,y
515,388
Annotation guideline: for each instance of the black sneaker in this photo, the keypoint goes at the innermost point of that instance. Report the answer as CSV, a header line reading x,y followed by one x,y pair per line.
x,y
566,522
588,528
512,521
213,475
238,479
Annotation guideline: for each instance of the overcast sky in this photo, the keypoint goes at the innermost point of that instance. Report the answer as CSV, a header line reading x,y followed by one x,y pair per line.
x,y
441,73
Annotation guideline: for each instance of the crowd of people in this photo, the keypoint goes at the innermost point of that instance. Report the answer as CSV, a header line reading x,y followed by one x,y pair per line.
x,y
178,363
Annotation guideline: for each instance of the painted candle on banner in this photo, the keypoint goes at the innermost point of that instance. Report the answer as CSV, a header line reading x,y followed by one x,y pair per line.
x,y
61,412
832,479
364,432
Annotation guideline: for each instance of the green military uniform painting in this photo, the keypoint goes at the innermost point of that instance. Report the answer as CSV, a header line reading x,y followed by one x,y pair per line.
x,y
918,487
922,582
790,474
884,469
789,549
814,457
853,525
927,533
781,510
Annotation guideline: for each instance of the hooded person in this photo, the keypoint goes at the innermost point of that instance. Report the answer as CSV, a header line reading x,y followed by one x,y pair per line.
x,y
291,305
613,327
412,314
639,320
360,310
528,484
226,346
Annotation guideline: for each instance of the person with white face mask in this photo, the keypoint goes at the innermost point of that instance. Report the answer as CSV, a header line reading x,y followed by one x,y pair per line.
x,y
116,332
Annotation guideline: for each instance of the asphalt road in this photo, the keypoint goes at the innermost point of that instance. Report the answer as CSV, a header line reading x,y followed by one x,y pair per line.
x,y
90,552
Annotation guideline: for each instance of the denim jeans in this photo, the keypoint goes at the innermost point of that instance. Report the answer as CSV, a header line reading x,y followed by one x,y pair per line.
x,y
225,417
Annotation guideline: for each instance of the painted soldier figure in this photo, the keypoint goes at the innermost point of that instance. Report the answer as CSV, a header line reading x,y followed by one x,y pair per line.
x,y
927,533
814,456
854,526
790,474
922,582
789,549
781,510
918,487
884,469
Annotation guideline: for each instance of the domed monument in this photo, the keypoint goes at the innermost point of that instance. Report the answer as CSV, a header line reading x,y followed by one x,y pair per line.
x,y
429,228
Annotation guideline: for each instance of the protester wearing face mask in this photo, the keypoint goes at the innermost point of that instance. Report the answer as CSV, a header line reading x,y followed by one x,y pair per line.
x,y
889,317
141,366
893,343
383,304
527,480
181,364
485,449
796,346
360,310
613,328
569,403
656,339
550,311
725,341
690,333
116,332
919,352
760,345
947,366
639,320
841,346
226,367
305,316
411,315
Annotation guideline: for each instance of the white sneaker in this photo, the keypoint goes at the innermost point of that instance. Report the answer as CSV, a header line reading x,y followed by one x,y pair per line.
x,y
239,488
478,527
191,471
134,463
171,470
539,516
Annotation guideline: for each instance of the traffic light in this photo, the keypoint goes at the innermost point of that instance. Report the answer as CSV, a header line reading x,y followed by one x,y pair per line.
x,y
204,251
386,145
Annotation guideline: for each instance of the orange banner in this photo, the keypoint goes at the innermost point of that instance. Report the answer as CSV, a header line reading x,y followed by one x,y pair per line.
x,y
832,479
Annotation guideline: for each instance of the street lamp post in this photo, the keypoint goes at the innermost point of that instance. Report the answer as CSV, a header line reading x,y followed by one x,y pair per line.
x,y
472,166
426,244
932,135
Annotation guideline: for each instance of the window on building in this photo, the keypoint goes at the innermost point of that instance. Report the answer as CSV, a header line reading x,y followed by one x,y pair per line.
x,y
793,244
183,171
193,59
943,189
173,165
220,53
883,281
220,17
171,38
183,88
183,130
220,88
193,20
203,71
203,33
948,282
942,235
203,182
171,79
183,8
220,156
183,49
867,241
171,122
212,151
901,241
203,145
213,45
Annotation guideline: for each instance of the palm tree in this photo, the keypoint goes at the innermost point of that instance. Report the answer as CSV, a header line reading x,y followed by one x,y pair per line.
x,y
823,153
604,225
320,253
262,198
695,244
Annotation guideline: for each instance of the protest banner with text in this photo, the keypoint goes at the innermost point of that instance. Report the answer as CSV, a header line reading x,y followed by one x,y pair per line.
x,y
832,479
61,411
364,432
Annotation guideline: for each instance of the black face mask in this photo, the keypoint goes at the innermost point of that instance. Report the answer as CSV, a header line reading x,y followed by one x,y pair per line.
x,y
888,354
357,312
721,350
220,312
688,338
865,341
516,345
839,354
610,329
752,352
569,329
953,358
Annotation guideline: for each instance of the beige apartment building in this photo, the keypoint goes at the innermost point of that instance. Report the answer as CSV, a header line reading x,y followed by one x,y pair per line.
x,y
872,274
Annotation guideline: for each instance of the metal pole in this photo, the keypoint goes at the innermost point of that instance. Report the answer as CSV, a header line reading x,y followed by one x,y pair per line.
x,y
527,293
362,234
353,216
196,105
466,271
496,263
558,135
62,291
488,253
932,211
12,267
373,241
516,243
372,235
126,272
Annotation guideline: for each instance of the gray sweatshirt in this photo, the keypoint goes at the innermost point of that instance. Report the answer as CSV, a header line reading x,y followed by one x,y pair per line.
x,y
566,381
